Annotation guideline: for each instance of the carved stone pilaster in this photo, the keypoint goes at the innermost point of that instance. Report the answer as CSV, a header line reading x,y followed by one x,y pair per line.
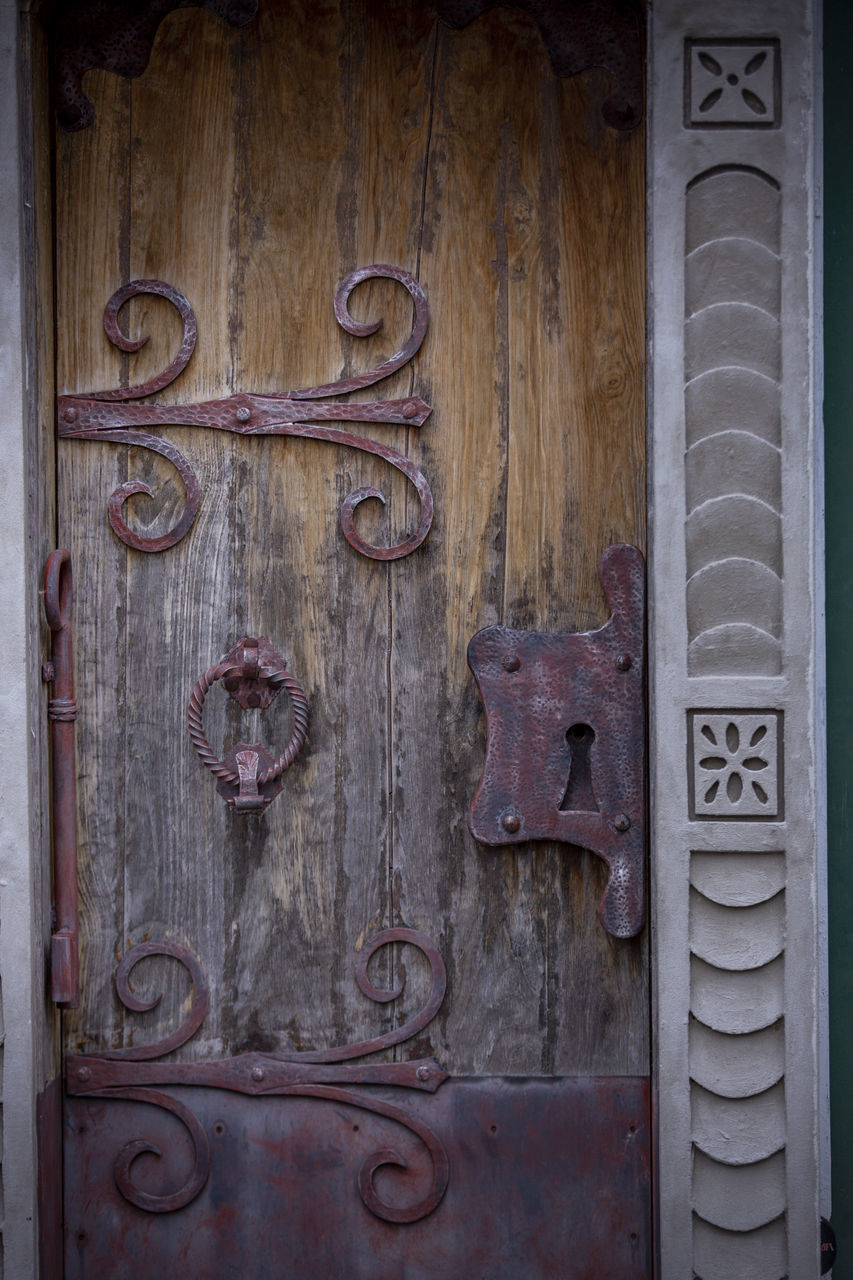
x,y
735,644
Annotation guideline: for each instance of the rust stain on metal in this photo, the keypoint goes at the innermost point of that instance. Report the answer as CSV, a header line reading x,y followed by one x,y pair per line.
x,y
565,756
326,1075
550,1182
116,35
108,415
49,1131
254,674
579,34
62,711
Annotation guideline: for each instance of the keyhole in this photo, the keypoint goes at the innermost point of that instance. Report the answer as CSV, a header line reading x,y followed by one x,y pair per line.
x,y
579,796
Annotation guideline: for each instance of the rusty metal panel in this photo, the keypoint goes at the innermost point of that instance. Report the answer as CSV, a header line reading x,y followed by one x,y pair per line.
x,y
49,1129
565,757
549,1181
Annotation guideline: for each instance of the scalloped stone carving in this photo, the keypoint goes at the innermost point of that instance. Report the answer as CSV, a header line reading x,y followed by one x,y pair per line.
x,y
761,1254
739,1131
738,879
737,938
739,1066
732,410
737,1002
739,1198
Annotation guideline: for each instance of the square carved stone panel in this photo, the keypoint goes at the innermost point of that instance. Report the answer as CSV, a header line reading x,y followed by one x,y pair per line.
x,y
732,84
735,765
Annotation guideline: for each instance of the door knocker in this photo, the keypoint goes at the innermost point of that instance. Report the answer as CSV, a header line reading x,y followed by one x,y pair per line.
x,y
254,675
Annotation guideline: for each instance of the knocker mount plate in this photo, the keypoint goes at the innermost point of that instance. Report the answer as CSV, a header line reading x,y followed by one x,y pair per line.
x,y
565,756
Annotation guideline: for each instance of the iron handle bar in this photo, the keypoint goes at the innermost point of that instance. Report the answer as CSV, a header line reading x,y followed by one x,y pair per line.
x,y
62,712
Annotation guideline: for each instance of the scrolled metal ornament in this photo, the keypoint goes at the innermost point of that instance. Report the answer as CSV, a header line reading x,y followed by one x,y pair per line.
x,y
122,1169
109,415
325,1075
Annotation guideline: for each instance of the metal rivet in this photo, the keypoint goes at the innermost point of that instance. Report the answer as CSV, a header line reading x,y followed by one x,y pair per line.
x,y
623,662
423,1073
253,699
511,662
83,1073
70,414
243,413
511,822
232,684
258,1073
621,822
410,410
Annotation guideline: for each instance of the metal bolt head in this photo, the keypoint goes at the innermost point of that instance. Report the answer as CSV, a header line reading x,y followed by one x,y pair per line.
x,y
621,822
511,662
70,414
410,410
231,683
244,413
253,699
423,1073
623,662
258,1074
84,1074
511,822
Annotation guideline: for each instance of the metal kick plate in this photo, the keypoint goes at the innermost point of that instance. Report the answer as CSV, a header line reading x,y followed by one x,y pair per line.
x,y
565,755
549,1181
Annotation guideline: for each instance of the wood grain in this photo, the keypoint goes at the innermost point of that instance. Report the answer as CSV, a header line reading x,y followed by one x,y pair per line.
x,y
92,211
253,169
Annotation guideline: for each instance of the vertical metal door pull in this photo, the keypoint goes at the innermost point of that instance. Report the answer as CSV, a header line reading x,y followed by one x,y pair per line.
x,y
62,711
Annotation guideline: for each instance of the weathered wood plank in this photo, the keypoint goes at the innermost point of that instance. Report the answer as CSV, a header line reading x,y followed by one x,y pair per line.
x,y
180,603
342,91
264,165
490,906
548,372
92,209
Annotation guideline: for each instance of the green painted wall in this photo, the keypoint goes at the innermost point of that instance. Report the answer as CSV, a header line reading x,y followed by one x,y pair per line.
x,y
838,414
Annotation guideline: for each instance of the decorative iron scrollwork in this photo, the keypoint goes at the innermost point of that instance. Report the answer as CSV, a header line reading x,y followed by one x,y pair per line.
x,y
108,415
324,1074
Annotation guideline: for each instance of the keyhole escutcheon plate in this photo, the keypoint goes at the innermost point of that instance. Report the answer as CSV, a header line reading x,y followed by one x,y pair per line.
x,y
565,727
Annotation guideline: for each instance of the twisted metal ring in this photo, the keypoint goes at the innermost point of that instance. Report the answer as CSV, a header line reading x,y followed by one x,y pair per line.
x,y
298,702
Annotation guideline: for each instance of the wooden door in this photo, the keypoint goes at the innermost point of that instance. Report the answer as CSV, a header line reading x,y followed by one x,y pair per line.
x,y
253,170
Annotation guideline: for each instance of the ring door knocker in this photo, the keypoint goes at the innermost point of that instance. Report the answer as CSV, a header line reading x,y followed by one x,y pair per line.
x,y
254,674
